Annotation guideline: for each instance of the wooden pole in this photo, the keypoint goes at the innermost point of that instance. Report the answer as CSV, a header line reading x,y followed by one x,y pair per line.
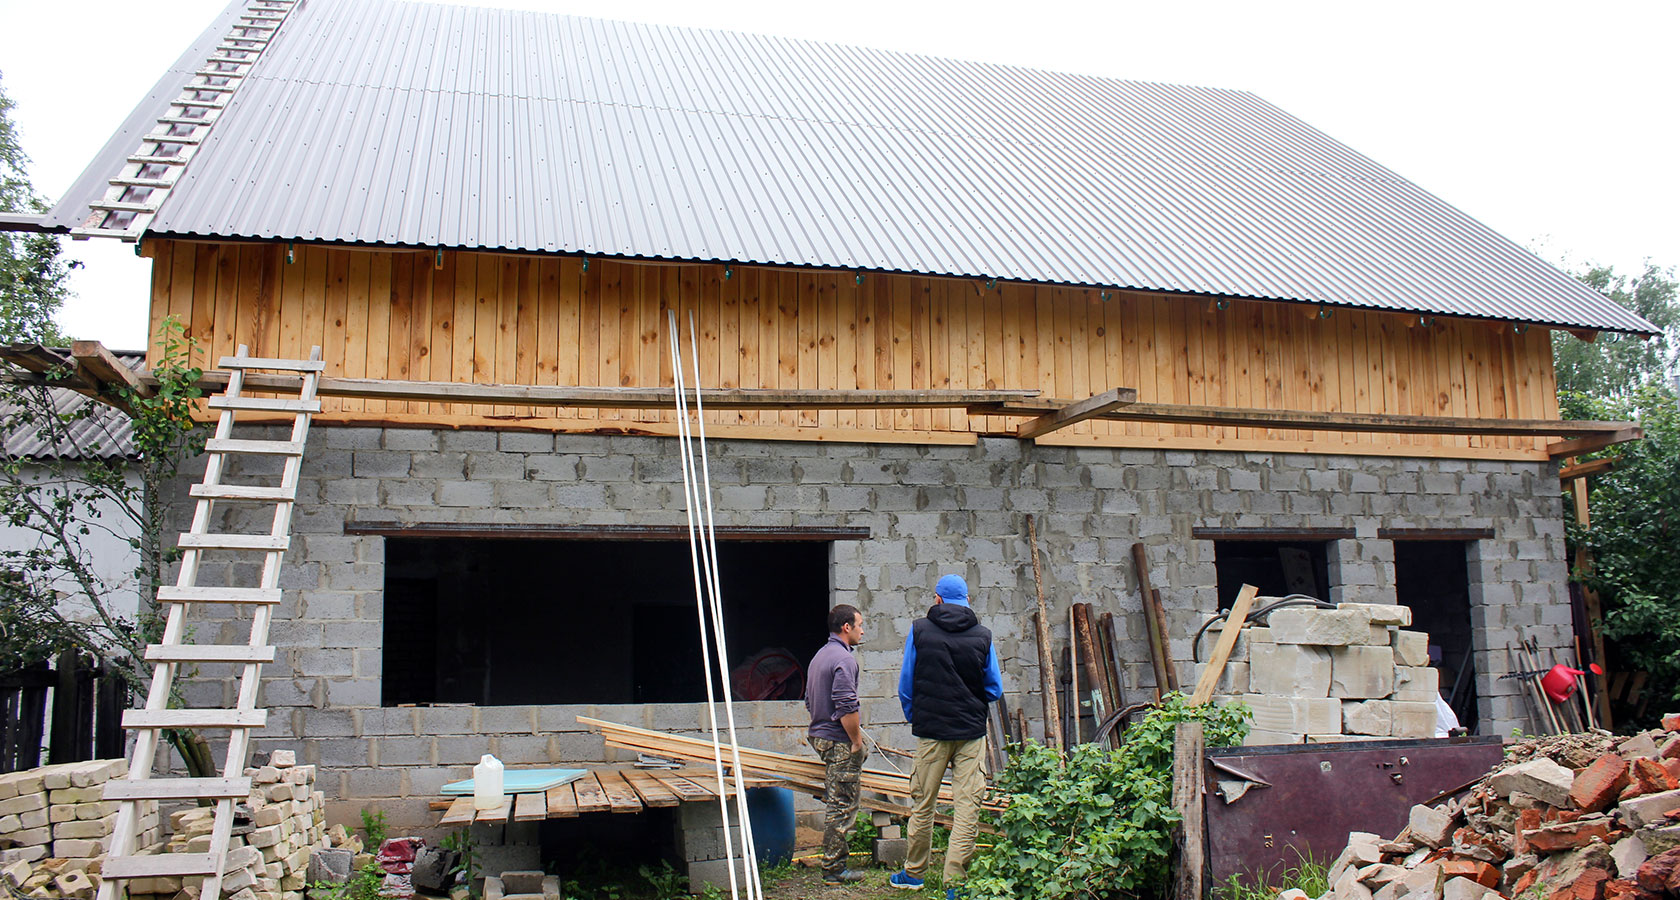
x,y
1073,670
1227,640
1188,742
1157,651
1161,631
1087,652
1046,658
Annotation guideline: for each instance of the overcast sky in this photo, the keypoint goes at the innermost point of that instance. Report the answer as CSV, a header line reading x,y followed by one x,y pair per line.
x,y
1553,123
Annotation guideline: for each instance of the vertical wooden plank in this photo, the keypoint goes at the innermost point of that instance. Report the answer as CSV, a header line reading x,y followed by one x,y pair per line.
x,y
1243,348
245,325
1458,390
1060,349
461,322
1079,344
828,330
590,313
1178,339
616,281
1396,364
223,300
749,286
504,308
183,282
275,287
805,335
525,324
304,323
329,331
487,293
399,365
962,303
422,348
1194,370
546,342
163,286
845,342
357,285
378,325
940,339
864,346
705,296
976,301
1129,371
1027,328
1274,374
1548,408
1216,358
1010,372
1150,383
452,286
787,336
903,351
771,362
568,309
729,326
880,292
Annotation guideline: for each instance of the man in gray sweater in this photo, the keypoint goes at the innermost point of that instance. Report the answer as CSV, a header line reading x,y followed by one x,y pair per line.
x,y
837,735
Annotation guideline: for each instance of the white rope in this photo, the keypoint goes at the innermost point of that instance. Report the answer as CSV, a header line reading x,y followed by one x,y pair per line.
x,y
755,888
694,549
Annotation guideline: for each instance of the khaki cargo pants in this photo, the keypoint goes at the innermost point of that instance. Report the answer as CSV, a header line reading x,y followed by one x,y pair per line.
x,y
841,770
967,785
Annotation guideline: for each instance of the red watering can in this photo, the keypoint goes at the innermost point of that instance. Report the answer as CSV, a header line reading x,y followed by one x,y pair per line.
x,y
1559,683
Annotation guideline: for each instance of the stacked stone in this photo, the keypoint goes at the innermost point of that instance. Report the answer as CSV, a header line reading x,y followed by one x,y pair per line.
x,y
55,824
1566,817
1344,674
274,832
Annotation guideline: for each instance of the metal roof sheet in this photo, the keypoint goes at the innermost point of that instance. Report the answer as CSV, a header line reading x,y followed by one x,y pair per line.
x,y
398,123
104,432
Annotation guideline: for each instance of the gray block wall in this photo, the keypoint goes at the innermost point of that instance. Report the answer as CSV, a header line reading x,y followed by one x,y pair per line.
x,y
930,510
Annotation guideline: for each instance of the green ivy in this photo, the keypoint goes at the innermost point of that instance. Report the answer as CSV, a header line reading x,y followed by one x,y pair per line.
x,y
1097,823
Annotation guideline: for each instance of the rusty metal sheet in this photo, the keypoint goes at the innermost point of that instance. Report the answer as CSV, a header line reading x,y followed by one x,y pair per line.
x,y
1303,800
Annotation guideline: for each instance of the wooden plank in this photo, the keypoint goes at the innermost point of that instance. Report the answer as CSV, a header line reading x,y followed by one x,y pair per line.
x,y
505,364
234,541
201,320
170,593
1307,420
620,794
1228,633
464,323
177,788
381,299
209,653
346,333
828,326
846,344
546,341
562,802
530,807
93,360
1579,446
194,718
688,791
1191,837
487,293
160,865
590,314
496,816
652,792
590,795
1102,403
613,313
460,812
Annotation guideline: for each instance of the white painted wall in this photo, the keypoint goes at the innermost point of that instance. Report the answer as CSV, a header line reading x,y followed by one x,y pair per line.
x,y
106,548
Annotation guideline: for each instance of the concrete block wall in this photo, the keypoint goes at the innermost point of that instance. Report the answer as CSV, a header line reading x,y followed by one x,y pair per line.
x,y
930,510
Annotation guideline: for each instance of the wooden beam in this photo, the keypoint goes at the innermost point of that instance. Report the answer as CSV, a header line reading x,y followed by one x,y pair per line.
x,y
1596,442
1280,535
1302,420
1091,407
1228,633
1435,534
1590,467
104,367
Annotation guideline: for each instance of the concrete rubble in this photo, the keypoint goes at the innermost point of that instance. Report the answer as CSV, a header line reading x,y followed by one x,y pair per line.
x,y
1565,817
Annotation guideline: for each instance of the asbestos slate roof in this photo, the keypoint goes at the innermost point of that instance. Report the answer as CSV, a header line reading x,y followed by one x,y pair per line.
x,y
104,433
409,124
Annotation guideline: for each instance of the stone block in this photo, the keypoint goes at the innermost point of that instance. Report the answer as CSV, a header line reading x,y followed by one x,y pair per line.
x,y
1360,672
1289,670
1412,719
1430,826
1416,683
1649,809
1383,613
891,852
283,759
77,848
330,865
1320,627
1541,778
1368,717
1411,648
527,881
1261,738
1296,715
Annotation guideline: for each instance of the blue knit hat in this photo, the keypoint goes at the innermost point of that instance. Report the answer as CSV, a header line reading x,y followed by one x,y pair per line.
x,y
952,589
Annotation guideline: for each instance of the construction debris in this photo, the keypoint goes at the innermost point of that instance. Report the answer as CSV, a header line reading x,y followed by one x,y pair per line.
x,y
1565,817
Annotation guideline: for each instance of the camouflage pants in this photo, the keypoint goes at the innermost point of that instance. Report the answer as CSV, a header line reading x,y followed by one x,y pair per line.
x,y
842,768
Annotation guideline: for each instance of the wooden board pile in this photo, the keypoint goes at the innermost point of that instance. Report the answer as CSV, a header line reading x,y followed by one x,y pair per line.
x,y
281,823
1565,817
55,823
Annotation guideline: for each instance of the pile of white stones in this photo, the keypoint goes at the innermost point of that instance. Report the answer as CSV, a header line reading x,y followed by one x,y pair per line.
x,y
55,825
1344,674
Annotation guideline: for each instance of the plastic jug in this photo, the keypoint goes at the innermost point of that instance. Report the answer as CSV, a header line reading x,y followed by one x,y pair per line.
x,y
487,783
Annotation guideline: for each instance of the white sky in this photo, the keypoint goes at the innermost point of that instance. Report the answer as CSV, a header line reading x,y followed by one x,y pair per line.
x,y
1554,123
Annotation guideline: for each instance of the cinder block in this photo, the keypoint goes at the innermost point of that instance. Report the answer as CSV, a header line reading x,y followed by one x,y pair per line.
x,y
1289,670
1383,613
1321,627
1411,648
1367,717
891,851
1361,672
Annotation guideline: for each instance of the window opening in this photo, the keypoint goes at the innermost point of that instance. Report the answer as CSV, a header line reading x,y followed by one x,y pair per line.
x,y
1277,568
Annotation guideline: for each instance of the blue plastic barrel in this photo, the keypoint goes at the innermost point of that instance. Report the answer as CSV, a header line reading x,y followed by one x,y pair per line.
x,y
771,809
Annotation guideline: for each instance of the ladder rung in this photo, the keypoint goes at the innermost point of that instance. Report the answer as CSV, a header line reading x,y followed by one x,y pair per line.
x,y
206,104
143,182
125,234
161,865
268,404
185,120
237,445
158,160
240,492
116,206
190,541
261,362
214,73
213,88
195,718
172,139
209,653
172,594
226,47
253,28
177,789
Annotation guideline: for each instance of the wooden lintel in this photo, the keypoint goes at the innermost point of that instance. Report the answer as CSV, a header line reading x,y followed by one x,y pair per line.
x,y
1078,411
104,367
1590,467
1302,420
1435,534
544,395
1594,442
1277,535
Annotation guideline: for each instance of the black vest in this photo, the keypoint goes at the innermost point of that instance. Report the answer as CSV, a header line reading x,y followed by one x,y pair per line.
x,y
948,684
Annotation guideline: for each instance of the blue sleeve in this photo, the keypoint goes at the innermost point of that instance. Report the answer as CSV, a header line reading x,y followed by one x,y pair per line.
x,y
994,678
904,674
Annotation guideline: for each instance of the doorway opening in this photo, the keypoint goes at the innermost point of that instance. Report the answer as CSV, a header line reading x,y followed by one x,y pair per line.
x,y
1432,578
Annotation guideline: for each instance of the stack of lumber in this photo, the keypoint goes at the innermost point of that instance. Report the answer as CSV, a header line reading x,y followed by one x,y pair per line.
x,y
1565,817
882,790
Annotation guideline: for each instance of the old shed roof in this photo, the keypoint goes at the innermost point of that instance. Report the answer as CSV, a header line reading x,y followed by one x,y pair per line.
x,y
92,429
398,123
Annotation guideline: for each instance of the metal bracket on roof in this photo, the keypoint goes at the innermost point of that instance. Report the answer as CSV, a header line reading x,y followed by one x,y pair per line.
x,y
137,191
728,273
586,264
291,253
860,278
991,284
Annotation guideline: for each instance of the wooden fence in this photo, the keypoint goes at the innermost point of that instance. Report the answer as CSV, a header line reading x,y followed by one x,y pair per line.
x,y
68,711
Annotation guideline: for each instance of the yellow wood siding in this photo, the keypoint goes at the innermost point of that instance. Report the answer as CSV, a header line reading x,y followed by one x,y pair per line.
x,y
488,318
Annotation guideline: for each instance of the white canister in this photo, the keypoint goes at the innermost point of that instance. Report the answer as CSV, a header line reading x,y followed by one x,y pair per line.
x,y
487,783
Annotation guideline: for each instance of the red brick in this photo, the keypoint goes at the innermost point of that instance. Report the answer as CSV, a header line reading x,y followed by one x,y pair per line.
x,y
1621,889
1527,820
1598,785
1650,777
1671,722
1568,836
1672,767
1589,885
1654,873
1473,869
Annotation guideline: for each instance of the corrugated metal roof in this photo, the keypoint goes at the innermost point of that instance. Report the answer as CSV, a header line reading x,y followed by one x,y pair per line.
x,y
104,433
398,123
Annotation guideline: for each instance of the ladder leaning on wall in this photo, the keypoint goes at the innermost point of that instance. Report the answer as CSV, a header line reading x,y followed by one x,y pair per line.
x,y
170,653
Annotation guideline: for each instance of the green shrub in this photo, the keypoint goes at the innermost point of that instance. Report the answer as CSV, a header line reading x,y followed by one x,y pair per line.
x,y
1099,822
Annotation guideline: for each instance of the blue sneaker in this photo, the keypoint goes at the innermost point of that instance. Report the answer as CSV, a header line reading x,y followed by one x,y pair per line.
x,y
905,881
950,894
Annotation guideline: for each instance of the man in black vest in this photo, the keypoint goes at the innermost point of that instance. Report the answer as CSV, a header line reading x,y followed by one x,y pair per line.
x,y
950,673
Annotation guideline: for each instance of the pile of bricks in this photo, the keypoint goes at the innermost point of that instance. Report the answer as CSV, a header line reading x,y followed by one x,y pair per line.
x,y
1344,674
1583,817
274,833
55,825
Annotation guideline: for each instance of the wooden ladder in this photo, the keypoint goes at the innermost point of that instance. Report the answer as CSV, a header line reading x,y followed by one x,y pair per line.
x,y
170,652
139,188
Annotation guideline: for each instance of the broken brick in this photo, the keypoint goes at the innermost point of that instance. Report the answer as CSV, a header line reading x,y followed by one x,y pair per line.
x,y
1589,885
1475,870
1671,722
1566,836
1650,777
1599,785
1654,873
1527,820
1670,748
1672,767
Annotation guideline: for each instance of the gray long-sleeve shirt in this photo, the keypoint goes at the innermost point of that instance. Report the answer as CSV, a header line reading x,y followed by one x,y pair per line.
x,y
831,689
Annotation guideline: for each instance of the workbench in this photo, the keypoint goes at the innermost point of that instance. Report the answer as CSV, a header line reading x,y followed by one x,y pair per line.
x,y
615,789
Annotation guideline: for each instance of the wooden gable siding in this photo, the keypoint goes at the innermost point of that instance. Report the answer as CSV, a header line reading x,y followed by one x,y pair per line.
x,y
527,320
